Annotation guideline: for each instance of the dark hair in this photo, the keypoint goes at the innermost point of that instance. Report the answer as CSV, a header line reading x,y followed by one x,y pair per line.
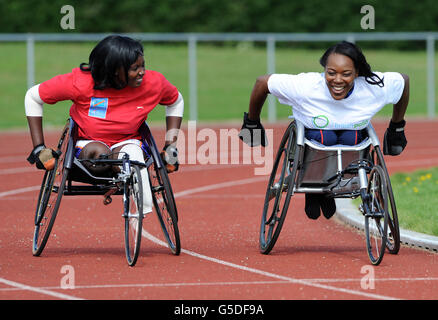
x,y
108,56
360,63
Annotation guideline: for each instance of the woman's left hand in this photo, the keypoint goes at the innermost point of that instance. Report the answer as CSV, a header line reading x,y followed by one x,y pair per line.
x,y
394,141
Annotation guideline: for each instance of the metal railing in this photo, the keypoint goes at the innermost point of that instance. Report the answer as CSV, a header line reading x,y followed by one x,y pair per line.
x,y
270,39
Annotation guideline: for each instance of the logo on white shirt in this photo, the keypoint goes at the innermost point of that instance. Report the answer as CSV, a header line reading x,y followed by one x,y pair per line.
x,y
320,121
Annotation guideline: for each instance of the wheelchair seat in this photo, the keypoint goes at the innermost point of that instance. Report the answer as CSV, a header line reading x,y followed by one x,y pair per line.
x,y
321,164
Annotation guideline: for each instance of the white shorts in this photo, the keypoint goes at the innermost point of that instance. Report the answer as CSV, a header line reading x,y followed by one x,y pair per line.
x,y
134,149
80,144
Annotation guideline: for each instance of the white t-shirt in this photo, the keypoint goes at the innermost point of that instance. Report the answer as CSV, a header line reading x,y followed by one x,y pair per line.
x,y
313,105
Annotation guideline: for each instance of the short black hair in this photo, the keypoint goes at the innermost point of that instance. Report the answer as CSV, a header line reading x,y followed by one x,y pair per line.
x,y
352,51
108,56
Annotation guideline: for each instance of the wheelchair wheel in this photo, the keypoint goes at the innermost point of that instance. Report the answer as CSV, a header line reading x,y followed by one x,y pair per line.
x,y
133,214
280,189
376,214
50,195
393,241
165,207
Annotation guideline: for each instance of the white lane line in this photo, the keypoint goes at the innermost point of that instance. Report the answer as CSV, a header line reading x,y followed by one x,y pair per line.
x,y
38,290
269,274
176,284
222,262
218,283
18,170
14,159
178,194
220,186
236,266
20,190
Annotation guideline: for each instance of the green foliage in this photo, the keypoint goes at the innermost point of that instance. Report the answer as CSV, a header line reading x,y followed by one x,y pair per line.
x,y
217,16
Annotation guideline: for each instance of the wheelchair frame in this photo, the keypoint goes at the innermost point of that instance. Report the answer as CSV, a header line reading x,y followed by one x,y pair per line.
x,y
68,178
298,164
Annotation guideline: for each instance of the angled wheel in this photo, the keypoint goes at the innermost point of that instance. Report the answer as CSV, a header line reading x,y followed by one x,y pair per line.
x,y
280,189
393,241
133,214
165,207
375,204
50,195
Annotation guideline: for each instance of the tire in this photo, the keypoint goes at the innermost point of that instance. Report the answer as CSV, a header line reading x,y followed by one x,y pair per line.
x,y
280,189
133,214
376,214
49,199
165,207
393,242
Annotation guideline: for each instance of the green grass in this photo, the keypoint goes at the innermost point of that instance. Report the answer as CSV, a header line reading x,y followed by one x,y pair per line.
x,y
416,199
226,75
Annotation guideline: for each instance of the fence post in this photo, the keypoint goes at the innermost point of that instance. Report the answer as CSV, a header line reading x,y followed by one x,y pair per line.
x,y
193,81
431,76
30,51
270,48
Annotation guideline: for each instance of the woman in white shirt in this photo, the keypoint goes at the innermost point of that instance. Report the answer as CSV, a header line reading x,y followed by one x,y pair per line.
x,y
334,106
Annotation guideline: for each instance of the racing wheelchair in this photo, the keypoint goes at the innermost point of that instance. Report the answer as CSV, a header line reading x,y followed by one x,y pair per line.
x,y
70,177
306,166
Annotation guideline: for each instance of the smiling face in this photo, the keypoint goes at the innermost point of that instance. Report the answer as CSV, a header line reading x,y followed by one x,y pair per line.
x,y
339,75
136,72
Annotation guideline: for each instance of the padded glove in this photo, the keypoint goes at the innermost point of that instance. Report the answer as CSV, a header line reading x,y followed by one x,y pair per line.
x,y
169,155
394,140
44,158
252,132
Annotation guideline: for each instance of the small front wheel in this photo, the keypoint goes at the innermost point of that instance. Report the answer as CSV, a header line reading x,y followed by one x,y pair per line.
x,y
133,214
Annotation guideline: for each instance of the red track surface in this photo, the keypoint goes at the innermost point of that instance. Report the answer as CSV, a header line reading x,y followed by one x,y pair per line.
x,y
220,210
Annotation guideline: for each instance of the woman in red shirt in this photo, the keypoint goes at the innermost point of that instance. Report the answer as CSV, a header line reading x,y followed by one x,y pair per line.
x,y
112,96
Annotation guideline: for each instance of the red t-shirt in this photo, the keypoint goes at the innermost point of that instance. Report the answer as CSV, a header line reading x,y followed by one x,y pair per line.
x,y
108,115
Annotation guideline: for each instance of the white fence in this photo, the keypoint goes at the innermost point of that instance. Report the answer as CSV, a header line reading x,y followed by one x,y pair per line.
x,y
269,38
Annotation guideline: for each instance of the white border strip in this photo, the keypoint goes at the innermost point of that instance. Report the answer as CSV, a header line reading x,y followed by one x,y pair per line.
x,y
38,290
348,213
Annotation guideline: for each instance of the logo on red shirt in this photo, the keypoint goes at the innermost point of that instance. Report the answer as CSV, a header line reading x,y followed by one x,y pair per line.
x,y
98,107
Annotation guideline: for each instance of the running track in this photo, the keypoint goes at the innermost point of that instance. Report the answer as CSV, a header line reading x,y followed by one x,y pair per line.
x,y
219,208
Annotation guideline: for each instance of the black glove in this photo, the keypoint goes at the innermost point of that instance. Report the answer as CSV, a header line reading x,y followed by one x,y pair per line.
x,y
252,132
394,140
169,155
44,158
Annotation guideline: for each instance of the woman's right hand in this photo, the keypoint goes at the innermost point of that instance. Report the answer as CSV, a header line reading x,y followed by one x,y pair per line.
x,y
42,157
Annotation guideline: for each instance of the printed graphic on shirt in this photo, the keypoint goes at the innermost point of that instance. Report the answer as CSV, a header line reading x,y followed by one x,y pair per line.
x,y
98,107
322,121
